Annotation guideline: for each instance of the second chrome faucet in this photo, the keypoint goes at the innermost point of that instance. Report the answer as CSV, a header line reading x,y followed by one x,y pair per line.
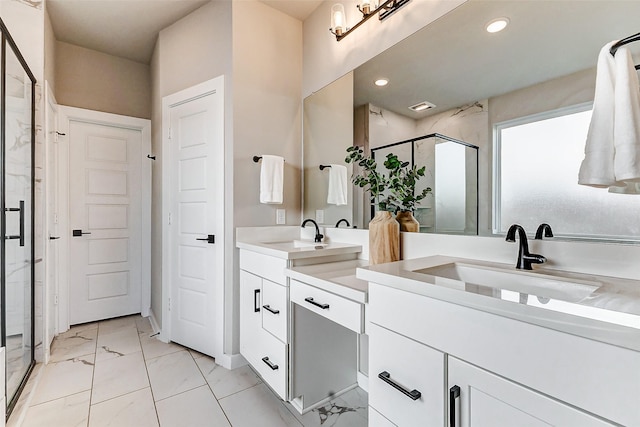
x,y
525,258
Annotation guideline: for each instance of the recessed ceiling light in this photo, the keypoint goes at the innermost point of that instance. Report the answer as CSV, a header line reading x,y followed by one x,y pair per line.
x,y
381,82
421,106
497,24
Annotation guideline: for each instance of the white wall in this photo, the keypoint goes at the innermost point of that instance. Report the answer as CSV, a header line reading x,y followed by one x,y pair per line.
x,y
325,59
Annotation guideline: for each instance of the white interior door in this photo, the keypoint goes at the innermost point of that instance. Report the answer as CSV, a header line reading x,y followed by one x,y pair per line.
x,y
105,218
196,138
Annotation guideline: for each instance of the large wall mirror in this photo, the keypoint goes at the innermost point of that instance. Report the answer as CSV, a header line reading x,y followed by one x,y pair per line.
x,y
543,61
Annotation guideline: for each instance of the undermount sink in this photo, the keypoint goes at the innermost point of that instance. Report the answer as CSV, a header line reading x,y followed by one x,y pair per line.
x,y
527,282
298,244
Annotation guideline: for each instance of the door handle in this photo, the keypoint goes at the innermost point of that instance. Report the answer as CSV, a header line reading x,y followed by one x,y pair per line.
x,y
317,304
21,235
54,237
211,239
79,233
270,364
411,394
454,394
256,302
270,310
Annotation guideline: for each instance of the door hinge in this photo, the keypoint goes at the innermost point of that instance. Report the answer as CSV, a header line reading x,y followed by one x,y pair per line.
x,y
55,218
169,218
169,133
55,299
169,304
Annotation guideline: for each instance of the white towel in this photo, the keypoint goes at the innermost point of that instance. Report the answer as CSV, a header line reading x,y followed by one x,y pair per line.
x,y
271,179
337,192
597,167
626,133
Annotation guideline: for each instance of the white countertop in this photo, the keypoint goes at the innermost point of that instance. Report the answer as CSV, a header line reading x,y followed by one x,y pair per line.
x,y
286,249
335,277
610,314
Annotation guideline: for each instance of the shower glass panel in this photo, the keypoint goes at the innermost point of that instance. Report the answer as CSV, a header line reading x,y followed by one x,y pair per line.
x,y
452,174
17,222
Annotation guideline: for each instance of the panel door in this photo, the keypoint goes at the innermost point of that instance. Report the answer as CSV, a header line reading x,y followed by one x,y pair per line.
x,y
487,400
196,137
105,213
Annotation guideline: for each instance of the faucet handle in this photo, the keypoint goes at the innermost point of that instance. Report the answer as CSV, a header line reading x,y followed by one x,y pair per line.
x,y
319,238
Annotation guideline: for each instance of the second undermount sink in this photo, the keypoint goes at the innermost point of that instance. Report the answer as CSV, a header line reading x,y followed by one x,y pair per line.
x,y
528,282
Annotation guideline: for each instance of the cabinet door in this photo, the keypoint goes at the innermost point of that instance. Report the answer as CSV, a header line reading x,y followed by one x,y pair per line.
x,y
250,299
478,398
406,379
275,309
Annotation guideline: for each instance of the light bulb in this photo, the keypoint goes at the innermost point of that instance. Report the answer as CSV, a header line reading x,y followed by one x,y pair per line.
x,y
338,19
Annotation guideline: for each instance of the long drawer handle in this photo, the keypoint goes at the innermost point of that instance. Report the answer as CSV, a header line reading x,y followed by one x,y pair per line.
x,y
454,394
317,304
256,303
269,364
270,310
386,377
21,211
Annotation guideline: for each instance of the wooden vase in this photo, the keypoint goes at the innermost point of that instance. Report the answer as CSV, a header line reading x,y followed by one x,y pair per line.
x,y
407,221
384,238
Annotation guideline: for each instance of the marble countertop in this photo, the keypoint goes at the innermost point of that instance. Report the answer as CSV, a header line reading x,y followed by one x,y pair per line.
x,y
604,308
287,249
335,277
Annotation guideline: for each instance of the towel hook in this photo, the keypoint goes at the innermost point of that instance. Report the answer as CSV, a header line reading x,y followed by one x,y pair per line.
x,y
149,156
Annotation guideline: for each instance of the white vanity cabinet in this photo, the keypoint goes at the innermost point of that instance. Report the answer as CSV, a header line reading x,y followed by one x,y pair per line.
x,y
474,368
480,398
264,318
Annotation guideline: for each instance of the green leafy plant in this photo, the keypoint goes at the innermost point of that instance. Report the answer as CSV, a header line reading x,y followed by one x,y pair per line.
x,y
404,188
391,191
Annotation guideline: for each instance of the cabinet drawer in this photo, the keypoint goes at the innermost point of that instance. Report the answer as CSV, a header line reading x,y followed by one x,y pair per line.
x,y
409,366
272,363
264,266
335,308
377,420
275,309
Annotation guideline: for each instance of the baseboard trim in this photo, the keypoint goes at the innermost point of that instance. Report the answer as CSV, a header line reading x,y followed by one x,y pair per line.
x,y
154,322
231,361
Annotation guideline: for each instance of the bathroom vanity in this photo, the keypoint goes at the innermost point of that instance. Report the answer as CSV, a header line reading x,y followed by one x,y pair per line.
x,y
449,350
301,336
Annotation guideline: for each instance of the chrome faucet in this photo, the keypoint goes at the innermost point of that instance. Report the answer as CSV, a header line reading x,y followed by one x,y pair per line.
x,y
525,259
546,228
341,221
318,237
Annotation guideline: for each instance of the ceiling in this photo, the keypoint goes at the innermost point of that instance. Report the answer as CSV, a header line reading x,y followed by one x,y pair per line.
x,y
129,28
454,62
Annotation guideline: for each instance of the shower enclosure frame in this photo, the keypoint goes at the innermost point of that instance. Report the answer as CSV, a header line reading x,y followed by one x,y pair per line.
x,y
9,43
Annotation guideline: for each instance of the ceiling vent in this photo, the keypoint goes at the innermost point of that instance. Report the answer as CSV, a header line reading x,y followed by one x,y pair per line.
x,y
422,106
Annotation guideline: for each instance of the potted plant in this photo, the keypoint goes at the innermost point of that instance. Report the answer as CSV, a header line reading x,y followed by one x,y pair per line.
x,y
384,230
403,187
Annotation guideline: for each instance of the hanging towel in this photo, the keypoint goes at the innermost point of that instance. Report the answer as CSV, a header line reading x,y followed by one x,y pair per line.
x,y
626,129
271,179
337,193
597,167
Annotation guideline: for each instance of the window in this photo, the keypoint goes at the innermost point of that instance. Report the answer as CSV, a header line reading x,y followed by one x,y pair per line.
x,y
536,164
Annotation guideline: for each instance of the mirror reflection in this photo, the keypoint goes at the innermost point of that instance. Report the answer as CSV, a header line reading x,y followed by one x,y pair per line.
x,y
544,60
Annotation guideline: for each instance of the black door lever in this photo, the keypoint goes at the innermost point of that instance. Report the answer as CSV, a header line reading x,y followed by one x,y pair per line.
x,y
54,237
211,239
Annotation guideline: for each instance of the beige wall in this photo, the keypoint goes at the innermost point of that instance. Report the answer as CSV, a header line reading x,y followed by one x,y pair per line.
x,y
96,81
195,49
49,53
327,144
267,108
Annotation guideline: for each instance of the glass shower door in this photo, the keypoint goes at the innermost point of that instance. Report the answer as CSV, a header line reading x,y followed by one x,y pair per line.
x,y
17,224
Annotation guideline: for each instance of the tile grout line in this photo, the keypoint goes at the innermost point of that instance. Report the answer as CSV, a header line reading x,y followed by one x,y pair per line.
x,y
209,386
93,375
146,368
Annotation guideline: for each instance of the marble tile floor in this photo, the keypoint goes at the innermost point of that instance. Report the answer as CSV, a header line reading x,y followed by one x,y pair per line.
x,y
114,373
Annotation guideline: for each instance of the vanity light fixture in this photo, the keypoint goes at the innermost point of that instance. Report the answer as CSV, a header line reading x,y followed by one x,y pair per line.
x,y
497,25
421,106
381,82
338,18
